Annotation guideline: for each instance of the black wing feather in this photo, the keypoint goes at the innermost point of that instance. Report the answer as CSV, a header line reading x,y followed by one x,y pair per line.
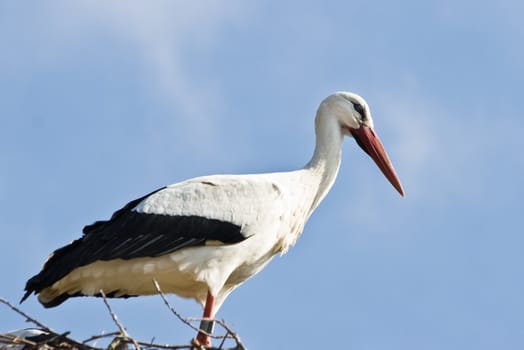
x,y
128,235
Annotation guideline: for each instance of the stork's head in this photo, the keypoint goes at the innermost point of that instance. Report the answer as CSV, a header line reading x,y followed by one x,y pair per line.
x,y
354,117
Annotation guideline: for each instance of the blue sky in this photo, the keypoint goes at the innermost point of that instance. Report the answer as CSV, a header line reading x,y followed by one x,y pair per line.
x,y
102,102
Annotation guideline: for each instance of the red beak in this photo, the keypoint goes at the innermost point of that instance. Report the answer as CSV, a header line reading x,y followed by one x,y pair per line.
x,y
370,143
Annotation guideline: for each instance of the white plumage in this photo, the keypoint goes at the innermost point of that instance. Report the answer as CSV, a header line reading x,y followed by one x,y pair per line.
x,y
203,237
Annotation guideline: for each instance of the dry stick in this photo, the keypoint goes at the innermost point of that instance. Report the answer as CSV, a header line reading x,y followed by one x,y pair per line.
x,y
122,331
143,344
185,321
222,323
233,334
229,334
14,340
42,326
28,318
223,341
118,324
100,336
157,286
61,337
160,346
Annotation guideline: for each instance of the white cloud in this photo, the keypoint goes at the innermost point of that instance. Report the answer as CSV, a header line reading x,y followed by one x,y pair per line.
x,y
159,33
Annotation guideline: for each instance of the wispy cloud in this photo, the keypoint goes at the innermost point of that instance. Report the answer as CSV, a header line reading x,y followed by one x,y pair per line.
x,y
160,34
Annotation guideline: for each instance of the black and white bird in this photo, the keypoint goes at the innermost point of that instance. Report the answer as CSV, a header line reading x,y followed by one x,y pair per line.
x,y
203,237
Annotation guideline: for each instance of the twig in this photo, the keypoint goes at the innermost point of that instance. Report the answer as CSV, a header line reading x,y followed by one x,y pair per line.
x,y
100,336
113,316
187,321
233,334
16,340
121,336
27,317
223,341
157,286
122,329
229,332
43,327
166,346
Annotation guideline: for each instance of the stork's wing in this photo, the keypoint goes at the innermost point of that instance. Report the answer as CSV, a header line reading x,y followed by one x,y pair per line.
x,y
163,221
132,234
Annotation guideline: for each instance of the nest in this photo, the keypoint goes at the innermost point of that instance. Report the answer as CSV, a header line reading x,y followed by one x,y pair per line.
x,y
43,337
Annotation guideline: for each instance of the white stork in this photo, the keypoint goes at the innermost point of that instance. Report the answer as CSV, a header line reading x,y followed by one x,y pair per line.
x,y
203,237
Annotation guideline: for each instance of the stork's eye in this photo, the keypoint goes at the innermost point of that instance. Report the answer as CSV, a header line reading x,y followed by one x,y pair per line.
x,y
359,108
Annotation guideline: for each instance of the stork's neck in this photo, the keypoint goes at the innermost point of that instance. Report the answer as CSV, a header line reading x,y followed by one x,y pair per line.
x,y
326,159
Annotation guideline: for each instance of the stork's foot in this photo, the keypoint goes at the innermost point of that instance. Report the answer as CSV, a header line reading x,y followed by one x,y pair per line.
x,y
202,341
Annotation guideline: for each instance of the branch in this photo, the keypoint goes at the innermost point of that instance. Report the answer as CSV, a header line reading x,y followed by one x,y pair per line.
x,y
27,317
53,336
186,322
100,336
122,329
52,340
229,333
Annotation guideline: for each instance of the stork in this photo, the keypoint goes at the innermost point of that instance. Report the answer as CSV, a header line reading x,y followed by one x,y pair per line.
x,y
203,237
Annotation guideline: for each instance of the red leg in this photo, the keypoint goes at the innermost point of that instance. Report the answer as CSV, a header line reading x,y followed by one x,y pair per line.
x,y
207,326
